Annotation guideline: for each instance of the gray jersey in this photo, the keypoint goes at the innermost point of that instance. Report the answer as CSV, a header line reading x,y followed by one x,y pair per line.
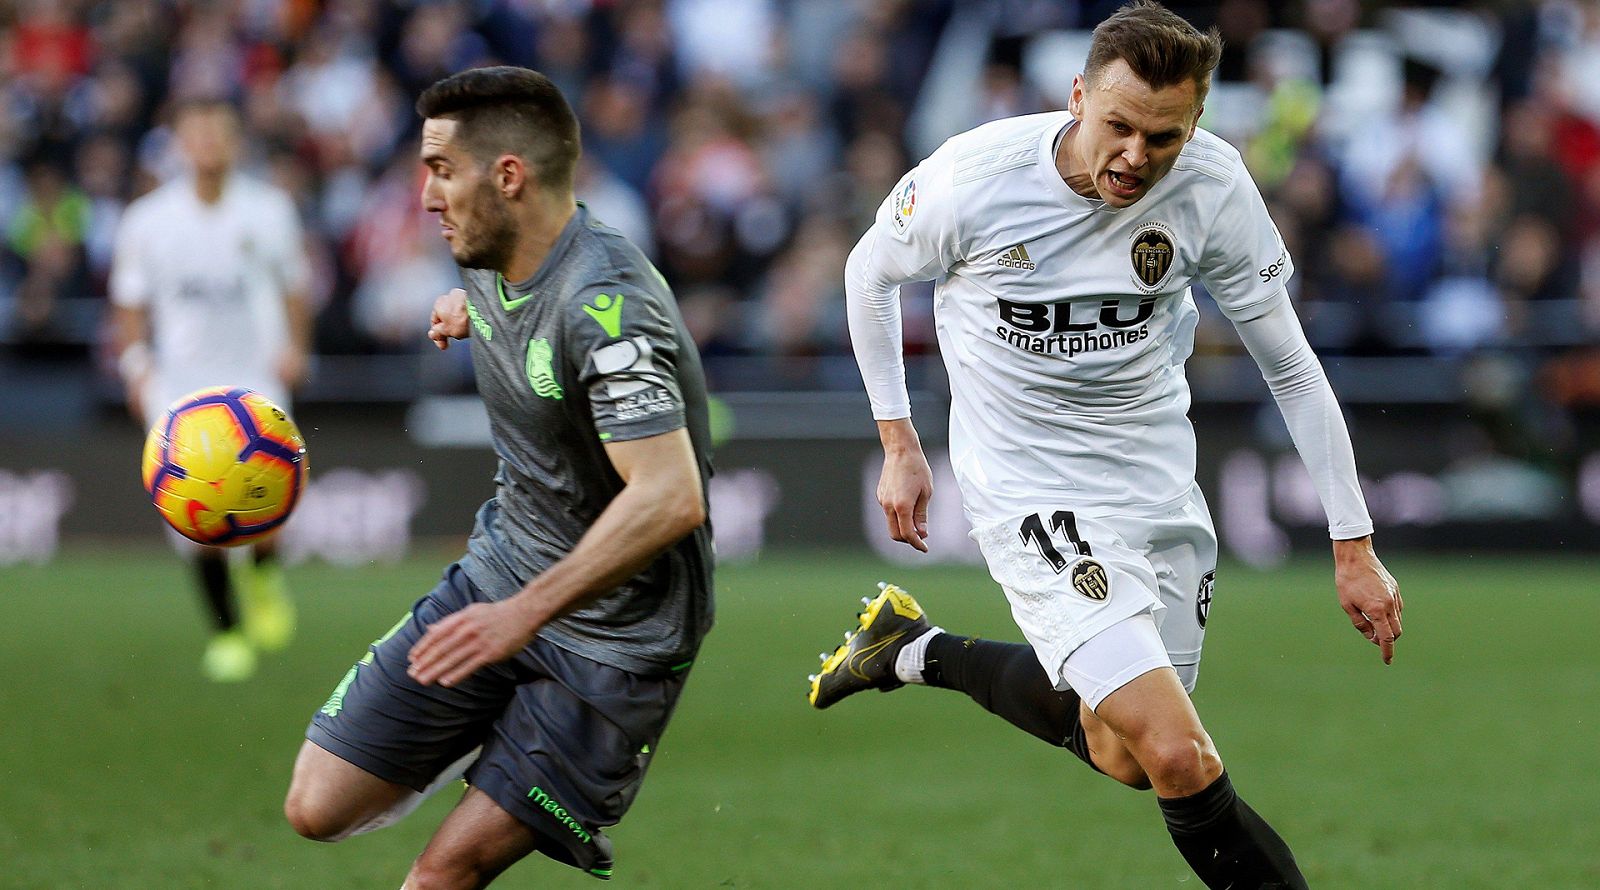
x,y
590,350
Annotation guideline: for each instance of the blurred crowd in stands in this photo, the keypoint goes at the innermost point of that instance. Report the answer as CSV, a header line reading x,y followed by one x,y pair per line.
x,y
1435,169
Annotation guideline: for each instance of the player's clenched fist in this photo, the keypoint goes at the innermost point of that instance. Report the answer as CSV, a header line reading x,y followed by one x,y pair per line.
x,y
449,320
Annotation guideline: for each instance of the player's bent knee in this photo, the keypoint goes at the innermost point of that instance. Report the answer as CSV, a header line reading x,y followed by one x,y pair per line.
x,y
313,822
1185,765
318,816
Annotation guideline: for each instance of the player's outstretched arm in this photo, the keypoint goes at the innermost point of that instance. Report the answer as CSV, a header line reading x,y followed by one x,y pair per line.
x,y
906,485
1368,593
449,319
660,503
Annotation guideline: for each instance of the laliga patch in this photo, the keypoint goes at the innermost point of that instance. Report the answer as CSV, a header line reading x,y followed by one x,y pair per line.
x,y
1202,602
622,363
1152,253
904,205
1089,578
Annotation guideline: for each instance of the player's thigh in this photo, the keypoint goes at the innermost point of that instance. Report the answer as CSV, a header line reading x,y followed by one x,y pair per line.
x,y
328,795
1182,548
570,753
1068,577
381,720
1115,657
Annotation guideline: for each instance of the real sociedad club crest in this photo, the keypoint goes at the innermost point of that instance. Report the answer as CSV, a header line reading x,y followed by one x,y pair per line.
x,y
1152,254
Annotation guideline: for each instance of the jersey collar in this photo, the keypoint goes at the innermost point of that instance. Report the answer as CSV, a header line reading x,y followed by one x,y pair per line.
x,y
1049,141
512,301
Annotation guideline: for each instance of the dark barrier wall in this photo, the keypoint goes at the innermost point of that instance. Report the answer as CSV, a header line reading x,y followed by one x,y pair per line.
x,y
1433,477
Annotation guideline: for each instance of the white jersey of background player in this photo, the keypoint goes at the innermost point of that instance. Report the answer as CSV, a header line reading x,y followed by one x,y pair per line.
x,y
209,283
217,283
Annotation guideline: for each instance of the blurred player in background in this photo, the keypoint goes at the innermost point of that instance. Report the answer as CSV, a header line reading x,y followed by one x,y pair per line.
x,y
1065,245
560,642
209,284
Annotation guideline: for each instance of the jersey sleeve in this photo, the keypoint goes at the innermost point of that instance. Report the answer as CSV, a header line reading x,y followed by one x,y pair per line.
x,y
286,243
1276,341
914,238
625,347
130,283
1244,265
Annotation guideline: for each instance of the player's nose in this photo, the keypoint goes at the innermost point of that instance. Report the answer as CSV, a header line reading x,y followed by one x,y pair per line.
x,y
1135,155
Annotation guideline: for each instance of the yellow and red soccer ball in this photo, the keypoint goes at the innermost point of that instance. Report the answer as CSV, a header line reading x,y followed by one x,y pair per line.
x,y
224,466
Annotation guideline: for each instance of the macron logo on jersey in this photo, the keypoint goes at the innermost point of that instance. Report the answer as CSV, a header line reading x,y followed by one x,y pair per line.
x,y
1017,258
607,313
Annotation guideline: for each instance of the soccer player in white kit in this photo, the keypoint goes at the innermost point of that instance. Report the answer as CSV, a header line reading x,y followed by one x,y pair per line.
x,y
209,283
1063,246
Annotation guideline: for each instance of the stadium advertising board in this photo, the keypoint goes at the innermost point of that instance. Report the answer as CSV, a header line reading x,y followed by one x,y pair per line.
x,y
374,490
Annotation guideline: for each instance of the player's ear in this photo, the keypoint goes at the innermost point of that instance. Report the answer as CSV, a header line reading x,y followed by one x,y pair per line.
x,y
510,175
1075,100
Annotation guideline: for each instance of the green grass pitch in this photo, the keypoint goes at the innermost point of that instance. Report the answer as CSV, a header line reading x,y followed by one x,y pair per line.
x,y
1468,763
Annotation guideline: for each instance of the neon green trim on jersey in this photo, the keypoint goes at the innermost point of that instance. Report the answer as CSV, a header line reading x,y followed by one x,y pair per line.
x,y
657,273
607,312
478,324
678,667
541,375
506,303
605,437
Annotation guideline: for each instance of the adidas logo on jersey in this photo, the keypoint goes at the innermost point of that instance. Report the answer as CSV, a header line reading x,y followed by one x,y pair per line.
x,y
1017,258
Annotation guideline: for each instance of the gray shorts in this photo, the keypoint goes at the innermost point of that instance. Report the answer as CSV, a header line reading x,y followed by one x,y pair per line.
x,y
566,740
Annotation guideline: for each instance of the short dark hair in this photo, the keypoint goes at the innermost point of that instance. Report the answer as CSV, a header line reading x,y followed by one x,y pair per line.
x,y
509,110
1161,47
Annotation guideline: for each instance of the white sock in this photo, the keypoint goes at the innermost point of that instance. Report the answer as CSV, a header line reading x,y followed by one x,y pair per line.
x,y
913,655
405,806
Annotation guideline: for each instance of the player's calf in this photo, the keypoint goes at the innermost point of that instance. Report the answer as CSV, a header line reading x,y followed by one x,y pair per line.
x,y
1109,755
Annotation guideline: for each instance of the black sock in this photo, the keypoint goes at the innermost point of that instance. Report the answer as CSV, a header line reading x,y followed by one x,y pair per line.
x,y
1227,844
1006,679
218,589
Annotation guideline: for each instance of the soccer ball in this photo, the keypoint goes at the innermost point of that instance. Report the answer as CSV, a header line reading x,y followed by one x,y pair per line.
x,y
224,466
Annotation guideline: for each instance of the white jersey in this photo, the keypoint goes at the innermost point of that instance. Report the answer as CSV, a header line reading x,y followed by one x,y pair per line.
x,y
1065,323
214,278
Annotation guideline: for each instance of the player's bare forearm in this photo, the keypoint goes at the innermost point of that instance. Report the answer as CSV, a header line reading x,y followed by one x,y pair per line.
x,y
1368,594
294,366
659,504
298,305
906,486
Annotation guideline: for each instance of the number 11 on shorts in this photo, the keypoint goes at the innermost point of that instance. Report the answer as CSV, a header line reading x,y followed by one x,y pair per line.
x,y
1062,521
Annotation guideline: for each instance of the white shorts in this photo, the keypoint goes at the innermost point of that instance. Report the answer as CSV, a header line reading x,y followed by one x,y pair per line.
x,y
1072,575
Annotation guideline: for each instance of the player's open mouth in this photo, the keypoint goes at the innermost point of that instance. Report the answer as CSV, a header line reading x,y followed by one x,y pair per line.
x,y
1124,184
